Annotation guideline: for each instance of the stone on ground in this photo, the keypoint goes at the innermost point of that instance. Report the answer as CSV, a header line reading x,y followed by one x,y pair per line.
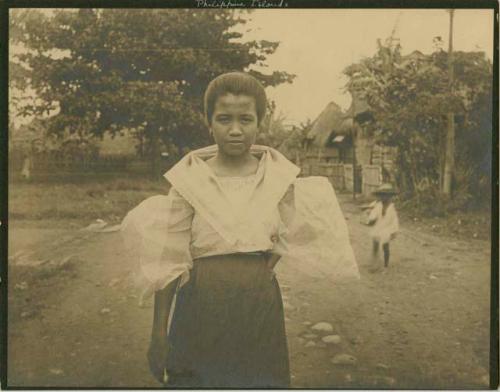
x,y
323,327
331,339
343,359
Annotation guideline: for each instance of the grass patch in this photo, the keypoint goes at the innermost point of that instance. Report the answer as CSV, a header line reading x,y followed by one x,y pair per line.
x,y
88,199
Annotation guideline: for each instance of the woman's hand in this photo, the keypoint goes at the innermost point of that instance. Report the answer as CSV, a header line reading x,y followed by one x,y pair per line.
x,y
158,348
272,260
157,356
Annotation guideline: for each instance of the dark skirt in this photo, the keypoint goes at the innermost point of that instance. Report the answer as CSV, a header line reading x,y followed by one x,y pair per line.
x,y
228,327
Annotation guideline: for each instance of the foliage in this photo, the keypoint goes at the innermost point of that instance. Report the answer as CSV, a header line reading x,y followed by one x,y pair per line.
x,y
294,145
288,139
409,97
272,131
108,69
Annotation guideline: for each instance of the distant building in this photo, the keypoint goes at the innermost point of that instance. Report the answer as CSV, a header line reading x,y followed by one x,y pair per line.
x,y
337,137
329,139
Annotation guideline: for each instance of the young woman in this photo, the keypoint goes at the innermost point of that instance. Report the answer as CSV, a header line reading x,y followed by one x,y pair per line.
x,y
208,249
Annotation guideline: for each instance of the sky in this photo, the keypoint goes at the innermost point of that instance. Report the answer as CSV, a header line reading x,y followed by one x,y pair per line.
x,y
317,44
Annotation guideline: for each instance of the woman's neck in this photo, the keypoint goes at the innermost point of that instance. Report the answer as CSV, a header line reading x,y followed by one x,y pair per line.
x,y
234,165
233,161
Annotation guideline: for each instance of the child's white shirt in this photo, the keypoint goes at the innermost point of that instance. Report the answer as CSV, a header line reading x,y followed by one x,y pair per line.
x,y
385,225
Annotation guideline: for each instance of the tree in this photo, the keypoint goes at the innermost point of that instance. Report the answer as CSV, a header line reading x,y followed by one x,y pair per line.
x,y
108,69
272,130
410,97
295,144
276,133
449,162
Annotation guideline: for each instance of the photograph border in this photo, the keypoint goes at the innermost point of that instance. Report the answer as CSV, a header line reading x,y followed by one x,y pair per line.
x,y
5,6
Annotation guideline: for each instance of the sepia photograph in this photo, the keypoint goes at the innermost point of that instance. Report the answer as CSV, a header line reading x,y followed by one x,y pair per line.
x,y
252,196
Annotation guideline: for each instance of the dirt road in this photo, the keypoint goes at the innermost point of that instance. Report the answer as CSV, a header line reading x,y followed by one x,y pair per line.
x,y
74,320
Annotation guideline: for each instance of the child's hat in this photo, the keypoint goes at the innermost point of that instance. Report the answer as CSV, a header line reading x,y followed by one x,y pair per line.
x,y
385,189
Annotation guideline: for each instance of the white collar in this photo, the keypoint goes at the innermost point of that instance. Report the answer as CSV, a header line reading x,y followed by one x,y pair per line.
x,y
197,183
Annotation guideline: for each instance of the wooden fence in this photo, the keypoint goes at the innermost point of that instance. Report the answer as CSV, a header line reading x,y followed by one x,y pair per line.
x,y
369,177
349,180
334,172
372,178
51,165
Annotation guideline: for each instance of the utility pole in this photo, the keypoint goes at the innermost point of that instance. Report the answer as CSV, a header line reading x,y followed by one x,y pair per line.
x,y
449,163
353,138
354,176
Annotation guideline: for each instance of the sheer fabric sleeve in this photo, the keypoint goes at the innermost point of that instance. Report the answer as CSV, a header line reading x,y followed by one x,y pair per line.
x,y
157,233
286,209
318,239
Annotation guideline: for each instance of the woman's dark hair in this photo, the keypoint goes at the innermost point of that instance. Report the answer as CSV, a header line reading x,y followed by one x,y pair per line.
x,y
236,83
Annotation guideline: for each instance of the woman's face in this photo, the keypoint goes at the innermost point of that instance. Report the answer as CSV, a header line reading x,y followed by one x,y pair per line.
x,y
234,124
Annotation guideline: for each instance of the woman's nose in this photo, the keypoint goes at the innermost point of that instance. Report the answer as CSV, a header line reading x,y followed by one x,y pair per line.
x,y
235,129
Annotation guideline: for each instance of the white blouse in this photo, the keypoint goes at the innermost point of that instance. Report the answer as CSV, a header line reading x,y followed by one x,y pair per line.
x,y
222,215
205,241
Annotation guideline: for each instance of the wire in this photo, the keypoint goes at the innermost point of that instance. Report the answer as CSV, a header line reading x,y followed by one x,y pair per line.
x,y
163,50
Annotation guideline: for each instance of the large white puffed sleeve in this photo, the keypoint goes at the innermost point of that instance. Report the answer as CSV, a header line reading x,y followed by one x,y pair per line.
x,y
318,239
157,233
286,210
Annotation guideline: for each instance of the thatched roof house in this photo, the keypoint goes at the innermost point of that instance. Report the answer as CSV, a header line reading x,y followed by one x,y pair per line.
x,y
332,122
331,137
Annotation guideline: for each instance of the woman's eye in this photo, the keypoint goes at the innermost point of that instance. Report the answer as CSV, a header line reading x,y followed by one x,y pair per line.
x,y
246,120
223,120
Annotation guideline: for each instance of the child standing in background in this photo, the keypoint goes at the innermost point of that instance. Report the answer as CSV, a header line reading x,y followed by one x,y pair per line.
x,y
384,221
